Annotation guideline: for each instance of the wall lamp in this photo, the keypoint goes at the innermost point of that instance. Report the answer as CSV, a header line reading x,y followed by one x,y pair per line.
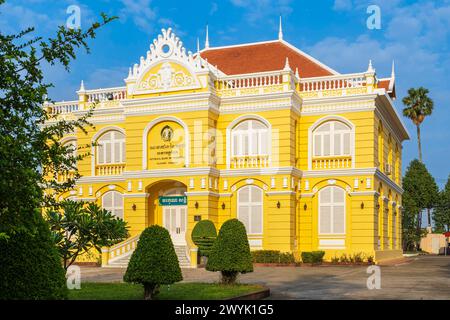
x,y
305,207
362,205
133,207
223,205
196,205
278,205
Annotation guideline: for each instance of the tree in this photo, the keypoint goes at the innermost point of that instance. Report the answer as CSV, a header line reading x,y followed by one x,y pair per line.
x,y
30,150
441,214
230,253
79,227
418,106
203,235
421,192
154,262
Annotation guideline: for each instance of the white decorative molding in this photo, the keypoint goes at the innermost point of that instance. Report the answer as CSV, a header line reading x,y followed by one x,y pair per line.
x,y
140,185
240,119
129,186
225,184
364,193
166,48
191,183
356,183
136,195
332,243
322,120
279,193
155,122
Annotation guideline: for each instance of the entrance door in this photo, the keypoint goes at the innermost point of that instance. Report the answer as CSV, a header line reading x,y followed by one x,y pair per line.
x,y
175,222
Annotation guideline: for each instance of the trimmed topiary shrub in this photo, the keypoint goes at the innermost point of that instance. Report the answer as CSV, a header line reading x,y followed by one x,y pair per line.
x,y
154,262
203,235
230,253
272,256
30,266
313,257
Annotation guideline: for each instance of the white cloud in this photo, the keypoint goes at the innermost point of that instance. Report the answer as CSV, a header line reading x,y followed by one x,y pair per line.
x,y
14,18
141,12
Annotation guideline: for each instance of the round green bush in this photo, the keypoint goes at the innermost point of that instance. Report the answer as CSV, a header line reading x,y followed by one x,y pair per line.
x,y
230,253
154,262
30,266
203,235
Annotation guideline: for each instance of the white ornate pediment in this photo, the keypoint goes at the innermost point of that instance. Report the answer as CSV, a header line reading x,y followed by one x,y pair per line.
x,y
167,67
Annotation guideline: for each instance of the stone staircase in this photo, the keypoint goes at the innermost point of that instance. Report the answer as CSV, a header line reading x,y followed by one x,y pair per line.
x,y
122,261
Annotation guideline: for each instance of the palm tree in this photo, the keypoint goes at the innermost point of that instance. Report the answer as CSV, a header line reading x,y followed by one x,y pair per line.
x,y
418,106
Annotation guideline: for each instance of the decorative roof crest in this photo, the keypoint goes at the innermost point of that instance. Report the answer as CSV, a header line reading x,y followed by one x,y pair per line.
x,y
167,46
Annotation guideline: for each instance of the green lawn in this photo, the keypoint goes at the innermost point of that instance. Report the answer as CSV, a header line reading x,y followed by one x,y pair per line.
x,y
180,291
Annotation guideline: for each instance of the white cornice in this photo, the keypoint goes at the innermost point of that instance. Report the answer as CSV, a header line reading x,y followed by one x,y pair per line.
x,y
136,195
102,179
202,193
261,172
181,172
339,173
280,193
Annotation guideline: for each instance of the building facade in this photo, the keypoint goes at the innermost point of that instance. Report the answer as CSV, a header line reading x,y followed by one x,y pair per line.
x,y
307,158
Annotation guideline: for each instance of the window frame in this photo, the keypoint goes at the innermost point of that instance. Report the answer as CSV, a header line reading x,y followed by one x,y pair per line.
x,y
112,142
332,133
248,136
113,208
332,205
250,204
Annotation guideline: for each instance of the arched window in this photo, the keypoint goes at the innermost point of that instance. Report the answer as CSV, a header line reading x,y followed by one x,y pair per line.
x,y
250,209
111,148
249,138
333,138
72,147
332,211
113,202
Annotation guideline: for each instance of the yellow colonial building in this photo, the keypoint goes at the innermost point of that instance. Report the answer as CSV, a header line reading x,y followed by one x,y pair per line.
x,y
307,158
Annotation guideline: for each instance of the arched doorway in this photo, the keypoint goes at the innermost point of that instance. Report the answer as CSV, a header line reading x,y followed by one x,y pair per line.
x,y
168,208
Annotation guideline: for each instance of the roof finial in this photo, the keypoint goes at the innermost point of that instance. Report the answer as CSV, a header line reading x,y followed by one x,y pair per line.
x,y
198,44
287,66
393,70
82,86
280,31
370,68
207,37
296,73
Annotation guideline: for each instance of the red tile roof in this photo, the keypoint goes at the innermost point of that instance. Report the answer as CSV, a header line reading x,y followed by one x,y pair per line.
x,y
385,84
264,56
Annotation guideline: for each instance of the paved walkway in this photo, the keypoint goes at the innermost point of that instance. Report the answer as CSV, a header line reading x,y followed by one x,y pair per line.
x,y
424,277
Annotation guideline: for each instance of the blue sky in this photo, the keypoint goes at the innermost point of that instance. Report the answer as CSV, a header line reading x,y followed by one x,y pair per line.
x,y
416,34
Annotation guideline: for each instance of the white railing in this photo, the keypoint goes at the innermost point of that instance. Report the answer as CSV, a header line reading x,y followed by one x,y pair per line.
x,y
63,107
339,82
109,94
109,169
338,162
242,162
117,251
247,81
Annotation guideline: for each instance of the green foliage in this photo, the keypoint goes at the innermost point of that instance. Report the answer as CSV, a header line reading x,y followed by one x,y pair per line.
x,y
272,256
441,214
30,154
203,235
418,106
30,265
81,226
313,257
421,192
154,262
230,253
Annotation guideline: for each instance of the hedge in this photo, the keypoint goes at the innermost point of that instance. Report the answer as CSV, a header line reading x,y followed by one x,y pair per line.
x,y
154,262
313,257
272,256
230,253
203,235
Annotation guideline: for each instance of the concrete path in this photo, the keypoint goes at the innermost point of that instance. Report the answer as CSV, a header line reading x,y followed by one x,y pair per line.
x,y
424,277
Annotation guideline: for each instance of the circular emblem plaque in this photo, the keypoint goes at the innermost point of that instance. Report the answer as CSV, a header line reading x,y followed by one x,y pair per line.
x,y
167,134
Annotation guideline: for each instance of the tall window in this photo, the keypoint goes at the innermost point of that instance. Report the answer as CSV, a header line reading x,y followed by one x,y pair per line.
x,y
332,211
113,202
250,138
111,148
250,209
332,138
